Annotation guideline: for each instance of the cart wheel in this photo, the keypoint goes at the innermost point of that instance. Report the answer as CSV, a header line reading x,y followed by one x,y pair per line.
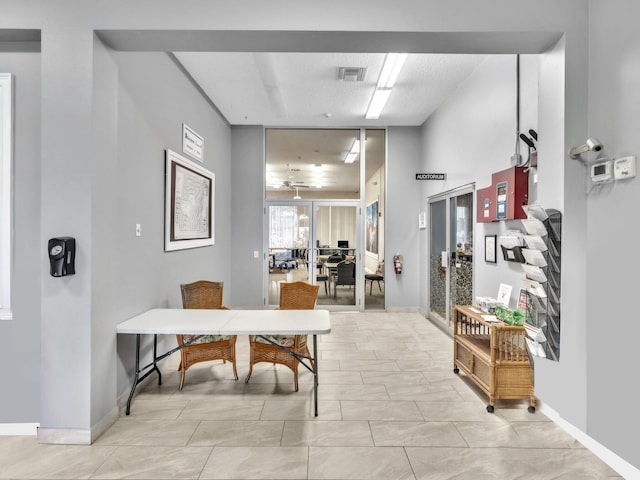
x,y
456,370
531,409
490,408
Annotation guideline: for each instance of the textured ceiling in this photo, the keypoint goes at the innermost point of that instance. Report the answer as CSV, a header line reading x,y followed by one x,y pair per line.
x,y
302,90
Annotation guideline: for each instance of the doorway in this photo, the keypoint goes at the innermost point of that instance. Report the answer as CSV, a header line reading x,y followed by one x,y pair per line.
x,y
450,253
315,242
318,185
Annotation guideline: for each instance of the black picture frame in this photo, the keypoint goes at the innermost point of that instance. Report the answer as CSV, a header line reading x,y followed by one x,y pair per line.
x,y
490,244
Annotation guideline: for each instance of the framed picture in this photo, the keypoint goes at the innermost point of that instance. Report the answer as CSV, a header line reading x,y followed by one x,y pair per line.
x,y
189,191
490,249
371,241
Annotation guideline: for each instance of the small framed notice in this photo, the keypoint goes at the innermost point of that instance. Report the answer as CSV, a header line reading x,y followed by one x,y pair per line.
x,y
192,143
490,249
504,294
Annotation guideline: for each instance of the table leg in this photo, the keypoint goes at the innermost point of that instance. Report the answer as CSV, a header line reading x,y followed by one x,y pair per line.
x,y
137,374
136,377
313,358
315,373
155,358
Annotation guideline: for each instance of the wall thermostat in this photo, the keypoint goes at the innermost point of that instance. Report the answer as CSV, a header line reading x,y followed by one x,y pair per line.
x,y
601,171
624,168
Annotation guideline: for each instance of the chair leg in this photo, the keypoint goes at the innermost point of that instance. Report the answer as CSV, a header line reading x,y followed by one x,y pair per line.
x,y
235,371
182,375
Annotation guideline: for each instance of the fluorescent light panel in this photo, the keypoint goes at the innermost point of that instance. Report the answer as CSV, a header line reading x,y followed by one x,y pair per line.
x,y
354,152
378,101
393,63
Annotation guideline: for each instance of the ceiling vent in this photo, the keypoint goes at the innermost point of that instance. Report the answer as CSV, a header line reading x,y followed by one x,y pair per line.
x,y
351,74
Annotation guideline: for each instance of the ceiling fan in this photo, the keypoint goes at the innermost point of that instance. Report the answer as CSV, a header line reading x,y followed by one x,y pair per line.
x,y
294,185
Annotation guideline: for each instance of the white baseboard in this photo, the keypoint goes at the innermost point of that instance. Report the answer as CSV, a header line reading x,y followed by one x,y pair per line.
x,y
403,309
61,436
64,436
619,464
19,429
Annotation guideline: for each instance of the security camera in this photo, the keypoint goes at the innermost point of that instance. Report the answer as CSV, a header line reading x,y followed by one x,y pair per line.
x,y
592,145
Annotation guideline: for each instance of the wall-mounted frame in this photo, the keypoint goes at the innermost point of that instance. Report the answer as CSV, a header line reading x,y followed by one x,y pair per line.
x,y
490,242
189,213
371,241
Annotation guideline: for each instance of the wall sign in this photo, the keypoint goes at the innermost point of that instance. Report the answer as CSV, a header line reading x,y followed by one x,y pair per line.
x,y
192,143
431,176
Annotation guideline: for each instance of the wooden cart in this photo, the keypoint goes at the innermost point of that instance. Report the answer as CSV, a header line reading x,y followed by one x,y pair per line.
x,y
494,356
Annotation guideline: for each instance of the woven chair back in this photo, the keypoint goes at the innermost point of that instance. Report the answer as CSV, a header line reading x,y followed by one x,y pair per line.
x,y
202,294
298,296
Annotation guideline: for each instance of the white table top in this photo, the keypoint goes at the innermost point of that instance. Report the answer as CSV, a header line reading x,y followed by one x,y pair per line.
x,y
228,322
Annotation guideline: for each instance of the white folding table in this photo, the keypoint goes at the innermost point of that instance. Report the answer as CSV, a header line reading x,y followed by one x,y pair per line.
x,y
172,321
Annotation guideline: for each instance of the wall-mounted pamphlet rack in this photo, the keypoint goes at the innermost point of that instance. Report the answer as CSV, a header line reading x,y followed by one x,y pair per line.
x,y
542,270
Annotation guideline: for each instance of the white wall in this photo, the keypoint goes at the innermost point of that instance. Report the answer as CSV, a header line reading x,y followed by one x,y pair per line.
x,y
471,136
19,338
137,107
247,194
613,231
401,218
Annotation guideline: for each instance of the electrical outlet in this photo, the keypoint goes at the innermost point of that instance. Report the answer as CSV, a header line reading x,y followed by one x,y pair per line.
x,y
138,230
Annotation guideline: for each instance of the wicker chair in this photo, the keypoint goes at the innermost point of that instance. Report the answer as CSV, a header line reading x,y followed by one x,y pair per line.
x,y
204,294
293,296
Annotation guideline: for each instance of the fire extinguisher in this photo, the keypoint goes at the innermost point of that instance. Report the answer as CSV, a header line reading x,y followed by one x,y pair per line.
x,y
397,264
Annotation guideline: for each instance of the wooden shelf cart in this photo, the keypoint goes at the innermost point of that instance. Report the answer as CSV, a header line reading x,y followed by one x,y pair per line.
x,y
493,355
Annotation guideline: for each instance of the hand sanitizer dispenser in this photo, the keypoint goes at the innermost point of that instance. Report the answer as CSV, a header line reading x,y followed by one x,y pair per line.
x,y
62,256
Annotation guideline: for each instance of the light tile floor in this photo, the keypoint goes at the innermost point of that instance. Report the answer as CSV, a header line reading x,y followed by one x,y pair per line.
x,y
390,408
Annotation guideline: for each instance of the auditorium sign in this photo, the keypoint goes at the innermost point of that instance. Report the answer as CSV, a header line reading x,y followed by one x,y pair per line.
x,y
431,176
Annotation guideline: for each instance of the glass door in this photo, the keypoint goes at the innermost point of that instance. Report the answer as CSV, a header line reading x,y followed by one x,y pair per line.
x,y
289,238
438,261
337,258
461,251
450,253
315,242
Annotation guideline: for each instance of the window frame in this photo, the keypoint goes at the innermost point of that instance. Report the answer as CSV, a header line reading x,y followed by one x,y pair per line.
x,y
6,193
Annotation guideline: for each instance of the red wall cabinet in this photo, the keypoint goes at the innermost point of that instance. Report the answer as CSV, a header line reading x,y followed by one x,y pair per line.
x,y
486,205
504,199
